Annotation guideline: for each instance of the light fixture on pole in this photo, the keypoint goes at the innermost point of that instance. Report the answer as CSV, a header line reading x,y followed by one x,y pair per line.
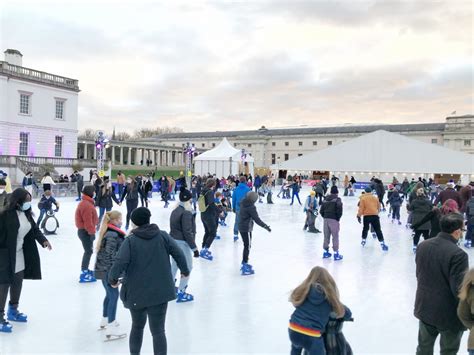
x,y
101,143
189,150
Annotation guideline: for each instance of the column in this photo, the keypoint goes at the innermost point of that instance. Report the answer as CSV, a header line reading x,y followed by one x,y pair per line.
x,y
121,155
155,157
113,155
95,153
129,156
85,150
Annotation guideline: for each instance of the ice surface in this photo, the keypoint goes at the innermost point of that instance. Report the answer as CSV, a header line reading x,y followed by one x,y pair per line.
x,y
232,314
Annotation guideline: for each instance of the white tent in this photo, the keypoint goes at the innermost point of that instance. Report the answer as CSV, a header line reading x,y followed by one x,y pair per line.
x,y
381,152
223,160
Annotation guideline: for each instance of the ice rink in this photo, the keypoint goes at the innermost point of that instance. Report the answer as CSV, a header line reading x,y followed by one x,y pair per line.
x,y
232,314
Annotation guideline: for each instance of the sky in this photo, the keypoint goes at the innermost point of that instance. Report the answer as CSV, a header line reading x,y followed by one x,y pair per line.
x,y
226,65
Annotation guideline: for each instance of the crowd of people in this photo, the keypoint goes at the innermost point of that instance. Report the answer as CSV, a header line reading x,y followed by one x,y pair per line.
x,y
131,249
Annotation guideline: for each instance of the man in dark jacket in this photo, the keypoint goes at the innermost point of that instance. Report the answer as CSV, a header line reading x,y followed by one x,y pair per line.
x,y
331,211
144,262
238,195
79,184
447,194
209,219
440,268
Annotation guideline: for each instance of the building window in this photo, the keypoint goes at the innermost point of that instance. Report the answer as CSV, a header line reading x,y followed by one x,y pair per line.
x,y
203,145
60,109
58,146
315,143
300,154
213,144
287,156
273,158
287,144
23,143
273,144
434,141
329,142
300,144
249,145
467,142
25,104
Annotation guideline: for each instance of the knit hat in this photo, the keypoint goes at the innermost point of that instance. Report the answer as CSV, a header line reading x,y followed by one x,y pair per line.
x,y
334,190
88,190
312,193
368,189
141,216
252,196
185,195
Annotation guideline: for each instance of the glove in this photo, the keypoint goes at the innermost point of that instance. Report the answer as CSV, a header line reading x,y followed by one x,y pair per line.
x,y
196,253
359,219
268,228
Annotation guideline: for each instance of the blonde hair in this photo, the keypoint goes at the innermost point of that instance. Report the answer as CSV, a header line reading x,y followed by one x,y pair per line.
x,y
108,216
466,285
320,278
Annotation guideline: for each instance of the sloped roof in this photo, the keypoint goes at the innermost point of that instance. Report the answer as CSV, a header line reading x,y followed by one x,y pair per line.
x,y
383,151
223,151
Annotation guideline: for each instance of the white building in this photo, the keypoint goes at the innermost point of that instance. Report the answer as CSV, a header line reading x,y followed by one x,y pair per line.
x,y
38,111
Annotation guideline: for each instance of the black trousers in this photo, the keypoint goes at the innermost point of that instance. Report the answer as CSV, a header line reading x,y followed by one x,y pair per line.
x,y
210,231
247,239
418,234
79,190
449,343
373,221
131,205
156,316
87,243
15,292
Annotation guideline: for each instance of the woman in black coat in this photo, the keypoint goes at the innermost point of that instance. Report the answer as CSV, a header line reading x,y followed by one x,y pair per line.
x,y
105,198
419,208
17,227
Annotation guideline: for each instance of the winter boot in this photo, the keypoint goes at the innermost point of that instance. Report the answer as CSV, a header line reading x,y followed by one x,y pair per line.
x,y
337,256
246,269
384,246
326,254
113,332
14,315
184,297
206,254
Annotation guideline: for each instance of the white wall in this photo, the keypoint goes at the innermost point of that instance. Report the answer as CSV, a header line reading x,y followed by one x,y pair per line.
x,y
41,123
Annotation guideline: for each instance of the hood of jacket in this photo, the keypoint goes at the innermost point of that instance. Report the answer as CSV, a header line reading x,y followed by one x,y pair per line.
x,y
247,202
147,231
316,296
242,186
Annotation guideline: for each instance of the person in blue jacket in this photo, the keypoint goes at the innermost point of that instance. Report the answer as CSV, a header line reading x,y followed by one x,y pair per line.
x,y
46,204
239,193
295,187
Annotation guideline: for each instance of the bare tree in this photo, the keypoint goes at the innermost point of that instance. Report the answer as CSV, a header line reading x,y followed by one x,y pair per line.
x,y
151,132
87,134
122,136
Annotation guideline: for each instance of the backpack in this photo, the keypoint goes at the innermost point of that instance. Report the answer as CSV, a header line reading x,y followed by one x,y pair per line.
x,y
202,203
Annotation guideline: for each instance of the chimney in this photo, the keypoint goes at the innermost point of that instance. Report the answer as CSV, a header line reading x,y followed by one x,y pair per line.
x,y
14,57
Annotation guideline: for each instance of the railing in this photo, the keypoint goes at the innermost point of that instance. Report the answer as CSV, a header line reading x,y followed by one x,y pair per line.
x,y
47,78
66,189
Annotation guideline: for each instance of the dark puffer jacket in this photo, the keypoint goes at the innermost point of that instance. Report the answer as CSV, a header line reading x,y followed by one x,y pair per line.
x,y
109,247
105,197
331,207
248,214
144,260
183,226
419,208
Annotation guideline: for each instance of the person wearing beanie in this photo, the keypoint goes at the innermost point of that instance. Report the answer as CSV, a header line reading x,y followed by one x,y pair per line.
x,y
331,211
419,208
183,231
369,208
237,196
380,191
86,221
143,260
449,194
209,217
131,193
248,215
311,210
295,188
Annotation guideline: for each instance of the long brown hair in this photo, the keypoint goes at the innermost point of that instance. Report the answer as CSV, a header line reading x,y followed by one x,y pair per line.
x,y
320,278
466,285
108,216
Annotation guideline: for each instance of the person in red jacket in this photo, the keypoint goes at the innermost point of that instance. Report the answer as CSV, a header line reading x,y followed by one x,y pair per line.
x,y
86,222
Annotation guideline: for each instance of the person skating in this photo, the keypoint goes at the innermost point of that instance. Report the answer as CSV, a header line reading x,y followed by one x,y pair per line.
x,y
79,184
164,187
121,182
395,201
19,257
419,208
45,205
469,222
295,187
183,231
29,182
47,181
147,189
311,211
104,199
3,195
315,299
209,215
369,208
130,195
380,191
109,242
331,211
435,215
449,194
143,261
238,195
86,221
248,215
466,307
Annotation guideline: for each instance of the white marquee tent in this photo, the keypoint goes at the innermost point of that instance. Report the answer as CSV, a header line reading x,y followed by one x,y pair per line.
x,y
223,160
383,152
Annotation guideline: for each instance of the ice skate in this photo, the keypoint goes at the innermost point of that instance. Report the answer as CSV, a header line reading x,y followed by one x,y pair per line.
x,y
15,316
374,235
218,237
206,254
246,269
393,221
468,244
414,249
184,297
384,246
337,256
236,238
103,323
87,276
399,223
363,242
326,254
113,332
5,327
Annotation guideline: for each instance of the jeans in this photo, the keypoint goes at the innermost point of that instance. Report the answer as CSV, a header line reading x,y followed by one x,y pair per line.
x,y
373,221
120,189
15,292
236,223
210,231
312,345
331,227
87,243
470,352
41,216
470,229
188,254
156,316
247,239
418,233
131,206
293,198
427,334
110,301
396,212
102,211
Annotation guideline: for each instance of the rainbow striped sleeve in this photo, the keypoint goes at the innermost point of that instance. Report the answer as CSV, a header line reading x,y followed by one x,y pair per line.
x,y
306,331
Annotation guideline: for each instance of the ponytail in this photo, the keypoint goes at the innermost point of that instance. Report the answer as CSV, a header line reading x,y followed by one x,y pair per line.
x,y
108,216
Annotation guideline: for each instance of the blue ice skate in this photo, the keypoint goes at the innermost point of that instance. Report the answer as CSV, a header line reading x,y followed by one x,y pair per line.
x,y
87,276
206,254
15,316
236,238
5,327
326,254
384,246
246,269
337,256
184,297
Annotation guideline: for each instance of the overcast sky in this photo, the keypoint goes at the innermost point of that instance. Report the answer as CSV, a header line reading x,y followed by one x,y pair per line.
x,y
218,65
